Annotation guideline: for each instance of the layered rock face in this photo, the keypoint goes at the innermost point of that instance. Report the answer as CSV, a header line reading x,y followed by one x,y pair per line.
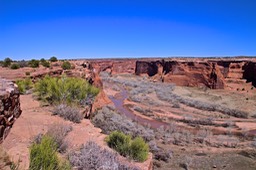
x,y
114,66
212,73
9,106
215,74
195,74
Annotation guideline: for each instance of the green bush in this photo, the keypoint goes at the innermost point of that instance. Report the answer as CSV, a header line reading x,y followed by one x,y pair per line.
x,y
53,59
137,149
24,85
44,156
64,89
15,66
33,63
42,60
7,62
120,142
45,63
66,65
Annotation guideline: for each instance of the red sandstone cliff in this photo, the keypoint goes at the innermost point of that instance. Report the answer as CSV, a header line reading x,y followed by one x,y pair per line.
x,y
211,73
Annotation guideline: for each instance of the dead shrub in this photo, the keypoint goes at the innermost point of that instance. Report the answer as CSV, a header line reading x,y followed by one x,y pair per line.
x,y
68,113
109,120
92,156
58,132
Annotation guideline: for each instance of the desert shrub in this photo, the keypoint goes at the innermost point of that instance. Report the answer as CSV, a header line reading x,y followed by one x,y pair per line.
x,y
42,60
24,85
227,141
109,120
254,115
45,63
139,149
163,155
58,132
66,65
92,156
68,113
7,62
203,121
33,63
254,142
176,105
139,109
120,142
22,63
203,135
44,156
64,89
171,97
146,112
53,59
15,66
6,162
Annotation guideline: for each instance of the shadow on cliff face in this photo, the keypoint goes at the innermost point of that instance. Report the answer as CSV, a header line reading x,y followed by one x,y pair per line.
x,y
250,73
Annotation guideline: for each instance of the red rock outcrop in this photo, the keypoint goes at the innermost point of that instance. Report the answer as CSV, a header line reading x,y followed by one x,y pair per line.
x,y
183,73
250,72
214,73
114,66
9,106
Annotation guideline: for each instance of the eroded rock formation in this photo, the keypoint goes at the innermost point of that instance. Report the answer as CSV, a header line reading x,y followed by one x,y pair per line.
x,y
231,73
194,74
9,106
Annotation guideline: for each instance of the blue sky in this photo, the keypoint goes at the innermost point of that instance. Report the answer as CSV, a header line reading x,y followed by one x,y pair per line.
x,y
126,28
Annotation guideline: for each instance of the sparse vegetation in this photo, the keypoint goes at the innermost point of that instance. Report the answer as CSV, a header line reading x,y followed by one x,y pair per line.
x,y
7,62
109,120
137,149
22,63
53,59
139,87
58,132
24,85
254,142
15,66
68,113
92,156
120,142
44,156
64,89
6,162
45,63
66,65
33,63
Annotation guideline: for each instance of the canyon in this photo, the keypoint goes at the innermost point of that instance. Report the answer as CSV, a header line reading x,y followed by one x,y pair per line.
x,y
213,73
193,105
223,73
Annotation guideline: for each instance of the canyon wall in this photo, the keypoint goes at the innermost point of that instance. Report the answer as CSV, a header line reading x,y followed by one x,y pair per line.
x,y
214,74
9,106
114,66
194,72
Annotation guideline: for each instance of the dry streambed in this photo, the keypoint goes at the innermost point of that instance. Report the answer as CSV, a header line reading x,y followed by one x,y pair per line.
x,y
186,121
